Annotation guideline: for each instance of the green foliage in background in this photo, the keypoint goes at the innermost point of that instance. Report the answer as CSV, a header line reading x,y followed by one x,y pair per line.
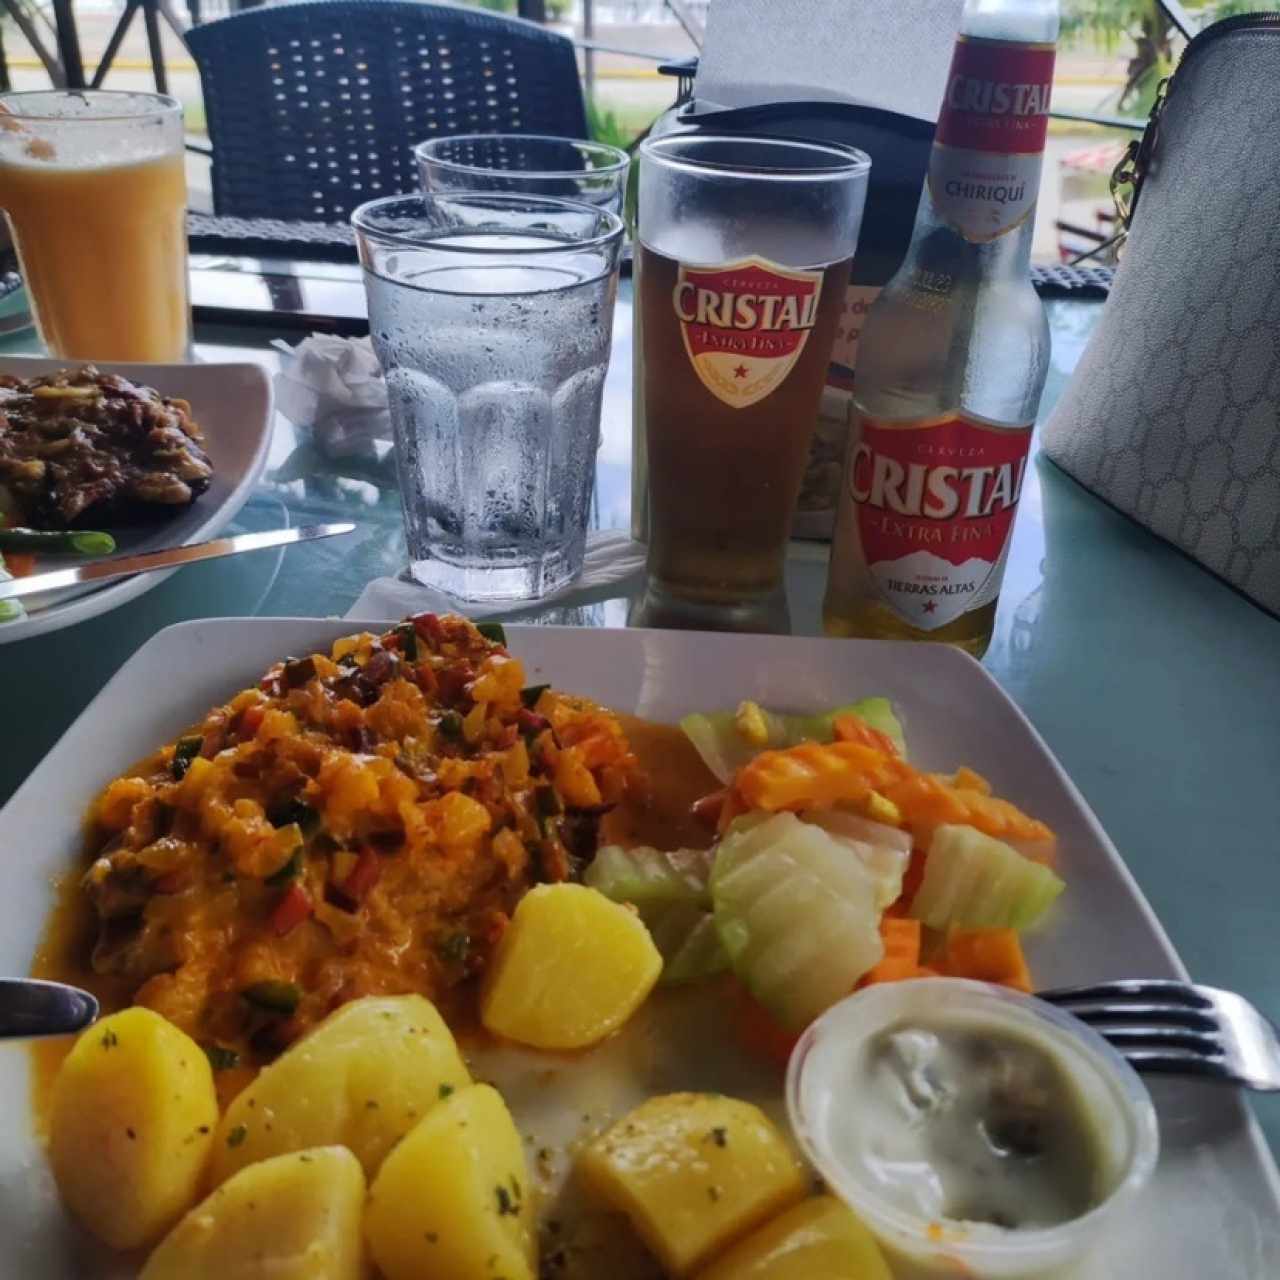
x,y
1116,23
605,125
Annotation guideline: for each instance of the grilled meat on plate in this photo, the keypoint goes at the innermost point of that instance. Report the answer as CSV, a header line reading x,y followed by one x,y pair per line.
x,y
81,447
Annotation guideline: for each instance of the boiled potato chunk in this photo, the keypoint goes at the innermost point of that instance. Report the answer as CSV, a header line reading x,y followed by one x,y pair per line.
x,y
131,1125
453,1201
362,1079
819,1239
293,1217
693,1172
571,968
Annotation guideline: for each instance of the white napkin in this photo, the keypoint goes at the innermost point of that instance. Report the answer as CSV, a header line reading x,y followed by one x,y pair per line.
x,y
612,559
891,54
333,388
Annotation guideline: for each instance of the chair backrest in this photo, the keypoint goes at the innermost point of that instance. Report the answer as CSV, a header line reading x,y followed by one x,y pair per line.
x,y
314,107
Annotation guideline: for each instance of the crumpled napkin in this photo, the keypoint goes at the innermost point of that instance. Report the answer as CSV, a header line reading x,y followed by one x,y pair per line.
x,y
333,388
612,566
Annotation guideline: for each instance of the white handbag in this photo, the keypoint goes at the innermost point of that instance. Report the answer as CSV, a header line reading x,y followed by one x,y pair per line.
x,y
1173,413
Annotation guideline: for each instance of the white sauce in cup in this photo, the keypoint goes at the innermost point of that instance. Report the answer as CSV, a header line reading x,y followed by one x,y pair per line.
x,y
969,1126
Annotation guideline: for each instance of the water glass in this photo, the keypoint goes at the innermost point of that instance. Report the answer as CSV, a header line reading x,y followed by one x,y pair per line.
x,y
492,316
529,164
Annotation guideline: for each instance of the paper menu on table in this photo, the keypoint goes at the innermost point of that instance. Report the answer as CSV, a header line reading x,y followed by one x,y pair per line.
x,y
891,54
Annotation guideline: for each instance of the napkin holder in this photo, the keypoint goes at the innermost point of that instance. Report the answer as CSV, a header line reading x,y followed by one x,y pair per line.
x,y
1172,413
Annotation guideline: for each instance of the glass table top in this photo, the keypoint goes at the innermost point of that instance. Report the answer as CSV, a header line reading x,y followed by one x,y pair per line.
x,y
1153,682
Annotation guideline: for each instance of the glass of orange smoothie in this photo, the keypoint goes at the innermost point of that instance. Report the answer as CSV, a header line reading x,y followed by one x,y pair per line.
x,y
94,188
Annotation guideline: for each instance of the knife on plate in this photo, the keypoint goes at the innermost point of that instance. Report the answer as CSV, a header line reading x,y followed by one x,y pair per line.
x,y
125,566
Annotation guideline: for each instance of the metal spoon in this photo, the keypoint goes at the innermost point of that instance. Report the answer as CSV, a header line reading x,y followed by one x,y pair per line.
x,y
31,1007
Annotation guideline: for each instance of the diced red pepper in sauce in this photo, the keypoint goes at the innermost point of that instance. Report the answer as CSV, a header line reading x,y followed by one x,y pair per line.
x,y
250,720
292,909
453,682
531,721
495,927
363,876
172,882
427,625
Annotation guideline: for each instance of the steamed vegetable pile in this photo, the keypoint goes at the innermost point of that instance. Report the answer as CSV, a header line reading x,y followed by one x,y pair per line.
x,y
837,863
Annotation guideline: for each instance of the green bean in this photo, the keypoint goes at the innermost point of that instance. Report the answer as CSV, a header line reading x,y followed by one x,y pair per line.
x,y
273,995
408,640
76,542
531,693
289,871
185,751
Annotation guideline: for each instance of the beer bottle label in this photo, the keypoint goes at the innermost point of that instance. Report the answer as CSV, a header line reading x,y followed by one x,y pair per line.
x,y
984,172
745,324
935,502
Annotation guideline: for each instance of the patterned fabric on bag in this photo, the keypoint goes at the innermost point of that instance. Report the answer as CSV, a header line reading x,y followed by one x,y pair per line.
x,y
1172,413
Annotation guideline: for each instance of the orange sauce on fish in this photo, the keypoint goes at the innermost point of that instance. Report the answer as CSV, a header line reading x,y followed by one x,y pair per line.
x,y
659,816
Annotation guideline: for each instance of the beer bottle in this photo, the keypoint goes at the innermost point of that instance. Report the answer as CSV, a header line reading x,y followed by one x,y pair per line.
x,y
953,357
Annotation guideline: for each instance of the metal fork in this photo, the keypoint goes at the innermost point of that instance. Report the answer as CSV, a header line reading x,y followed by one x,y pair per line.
x,y
1179,1028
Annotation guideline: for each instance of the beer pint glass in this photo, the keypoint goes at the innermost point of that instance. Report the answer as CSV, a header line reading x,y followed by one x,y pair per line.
x,y
742,260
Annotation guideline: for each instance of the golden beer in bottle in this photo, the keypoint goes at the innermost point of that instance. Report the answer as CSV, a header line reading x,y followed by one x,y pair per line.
x,y
953,358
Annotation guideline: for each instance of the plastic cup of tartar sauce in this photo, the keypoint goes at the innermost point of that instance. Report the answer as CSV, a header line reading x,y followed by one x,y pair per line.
x,y
976,1131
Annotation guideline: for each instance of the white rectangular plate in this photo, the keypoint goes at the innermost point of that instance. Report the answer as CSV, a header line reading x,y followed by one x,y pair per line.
x,y
1213,1210
232,404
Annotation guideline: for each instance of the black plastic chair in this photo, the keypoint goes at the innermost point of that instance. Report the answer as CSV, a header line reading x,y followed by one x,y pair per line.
x,y
314,107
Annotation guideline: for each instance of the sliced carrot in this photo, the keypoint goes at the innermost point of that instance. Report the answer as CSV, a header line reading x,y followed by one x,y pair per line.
x,y
901,952
987,955
1001,819
901,939
708,809
851,729
759,1033
965,779
815,775
911,879
733,807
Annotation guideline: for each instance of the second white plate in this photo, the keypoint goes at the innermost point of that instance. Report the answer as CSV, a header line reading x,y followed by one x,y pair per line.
x,y
233,405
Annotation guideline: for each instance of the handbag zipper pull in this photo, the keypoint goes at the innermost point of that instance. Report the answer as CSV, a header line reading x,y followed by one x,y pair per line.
x,y
1131,171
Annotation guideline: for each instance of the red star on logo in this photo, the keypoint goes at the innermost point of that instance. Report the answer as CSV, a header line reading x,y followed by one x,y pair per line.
x,y
930,606
740,371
